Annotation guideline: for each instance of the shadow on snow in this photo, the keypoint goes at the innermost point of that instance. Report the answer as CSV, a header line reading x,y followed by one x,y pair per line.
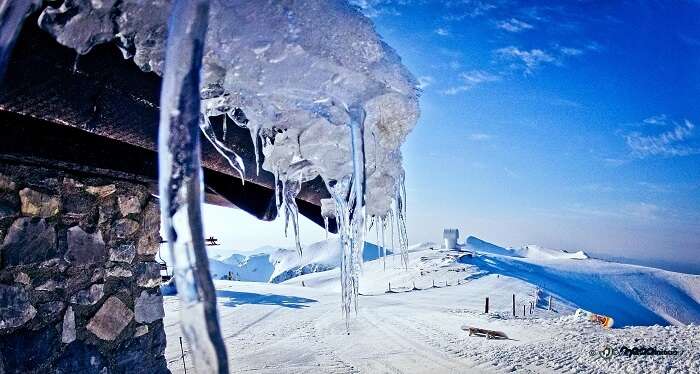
x,y
236,298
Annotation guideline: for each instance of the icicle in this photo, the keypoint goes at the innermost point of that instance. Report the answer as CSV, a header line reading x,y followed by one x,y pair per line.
x,y
348,275
277,183
76,62
391,225
12,15
376,230
181,184
382,227
400,212
291,209
291,185
284,205
230,155
254,135
349,199
224,128
357,220
327,211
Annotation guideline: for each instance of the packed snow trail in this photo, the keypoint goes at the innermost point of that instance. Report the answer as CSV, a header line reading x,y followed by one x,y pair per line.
x,y
181,186
292,329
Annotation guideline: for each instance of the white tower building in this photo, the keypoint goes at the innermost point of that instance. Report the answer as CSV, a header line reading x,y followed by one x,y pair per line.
x,y
451,237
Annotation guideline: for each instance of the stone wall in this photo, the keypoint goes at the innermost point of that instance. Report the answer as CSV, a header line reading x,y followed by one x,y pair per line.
x,y
78,280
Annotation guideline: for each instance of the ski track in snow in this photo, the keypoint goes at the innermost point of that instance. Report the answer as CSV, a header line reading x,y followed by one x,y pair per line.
x,y
287,328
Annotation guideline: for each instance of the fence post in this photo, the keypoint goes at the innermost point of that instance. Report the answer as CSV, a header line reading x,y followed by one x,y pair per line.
x,y
486,306
550,302
513,305
523,310
183,356
389,286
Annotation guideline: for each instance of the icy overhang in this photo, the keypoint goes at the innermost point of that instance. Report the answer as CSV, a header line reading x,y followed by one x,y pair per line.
x,y
285,70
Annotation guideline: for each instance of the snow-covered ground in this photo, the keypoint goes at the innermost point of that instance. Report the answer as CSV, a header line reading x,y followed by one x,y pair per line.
x,y
298,327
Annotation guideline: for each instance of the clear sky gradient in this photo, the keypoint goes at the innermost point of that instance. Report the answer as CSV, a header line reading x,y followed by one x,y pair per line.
x,y
571,126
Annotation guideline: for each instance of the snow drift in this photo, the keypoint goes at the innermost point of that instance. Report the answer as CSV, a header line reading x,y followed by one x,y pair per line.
x,y
631,294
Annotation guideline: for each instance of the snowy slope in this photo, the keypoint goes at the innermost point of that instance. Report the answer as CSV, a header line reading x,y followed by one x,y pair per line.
x,y
527,251
219,269
298,327
632,295
280,264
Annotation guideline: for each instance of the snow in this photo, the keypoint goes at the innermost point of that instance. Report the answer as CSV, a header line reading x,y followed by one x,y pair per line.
x,y
293,70
527,251
273,264
297,327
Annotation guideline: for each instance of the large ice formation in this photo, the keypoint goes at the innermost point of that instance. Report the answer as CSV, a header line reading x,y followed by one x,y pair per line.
x,y
312,81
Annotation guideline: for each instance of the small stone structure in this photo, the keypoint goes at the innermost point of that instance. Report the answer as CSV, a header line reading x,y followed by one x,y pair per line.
x,y
450,238
78,289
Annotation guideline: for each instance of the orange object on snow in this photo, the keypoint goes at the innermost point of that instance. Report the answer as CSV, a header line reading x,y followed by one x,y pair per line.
x,y
605,321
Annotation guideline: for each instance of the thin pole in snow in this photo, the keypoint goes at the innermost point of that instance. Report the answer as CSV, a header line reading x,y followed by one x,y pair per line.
x,y
523,310
550,303
486,306
513,305
183,356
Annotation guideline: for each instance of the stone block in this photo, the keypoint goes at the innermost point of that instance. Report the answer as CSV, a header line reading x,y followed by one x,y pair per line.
x,y
81,358
141,330
90,296
50,286
23,278
50,311
102,191
148,307
111,319
122,253
125,228
119,272
35,203
149,242
148,274
28,240
6,183
30,351
16,308
84,248
129,204
68,334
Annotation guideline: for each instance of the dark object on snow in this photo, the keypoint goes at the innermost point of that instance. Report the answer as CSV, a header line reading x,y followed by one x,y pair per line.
x,y
489,334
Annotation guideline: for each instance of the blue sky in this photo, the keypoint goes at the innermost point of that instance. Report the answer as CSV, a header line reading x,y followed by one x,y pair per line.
x,y
571,125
